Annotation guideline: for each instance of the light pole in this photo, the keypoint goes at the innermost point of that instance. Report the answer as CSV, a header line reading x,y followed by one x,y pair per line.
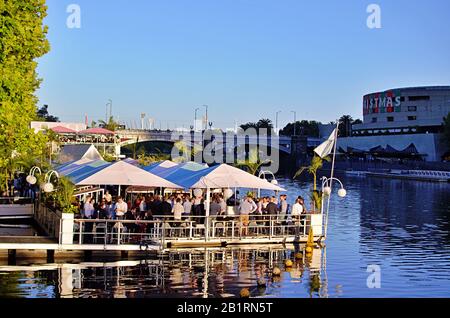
x,y
295,122
48,186
31,178
206,117
263,173
110,110
195,119
276,121
326,191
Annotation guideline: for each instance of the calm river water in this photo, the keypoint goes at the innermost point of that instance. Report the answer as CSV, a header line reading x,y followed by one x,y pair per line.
x,y
401,226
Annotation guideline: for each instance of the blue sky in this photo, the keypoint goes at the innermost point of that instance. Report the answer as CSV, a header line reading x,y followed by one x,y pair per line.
x,y
246,59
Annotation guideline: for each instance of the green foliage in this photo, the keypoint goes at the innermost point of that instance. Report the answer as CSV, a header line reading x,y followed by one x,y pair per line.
x,y
253,163
43,115
110,125
146,160
22,41
315,165
261,124
304,127
64,195
186,153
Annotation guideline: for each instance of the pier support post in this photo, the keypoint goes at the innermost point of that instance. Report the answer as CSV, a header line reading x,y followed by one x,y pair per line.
x,y
66,235
12,257
299,148
50,256
87,255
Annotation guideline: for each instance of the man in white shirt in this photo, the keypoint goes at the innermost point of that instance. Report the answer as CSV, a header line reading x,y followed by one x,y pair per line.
x,y
108,197
121,208
247,207
187,205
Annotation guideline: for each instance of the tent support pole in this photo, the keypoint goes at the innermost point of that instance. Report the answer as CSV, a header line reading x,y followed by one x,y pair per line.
x,y
207,205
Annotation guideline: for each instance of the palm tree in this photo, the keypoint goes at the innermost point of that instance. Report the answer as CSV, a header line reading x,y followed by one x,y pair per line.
x,y
110,125
253,163
316,164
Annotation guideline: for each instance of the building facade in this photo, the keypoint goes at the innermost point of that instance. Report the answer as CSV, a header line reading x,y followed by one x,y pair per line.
x,y
401,117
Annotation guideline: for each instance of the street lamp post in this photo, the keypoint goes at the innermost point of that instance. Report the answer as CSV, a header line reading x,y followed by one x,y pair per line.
x,y
326,191
195,119
276,122
295,122
206,117
263,173
48,186
110,110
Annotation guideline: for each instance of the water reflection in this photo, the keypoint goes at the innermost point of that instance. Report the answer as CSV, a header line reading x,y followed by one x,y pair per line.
x,y
402,226
202,273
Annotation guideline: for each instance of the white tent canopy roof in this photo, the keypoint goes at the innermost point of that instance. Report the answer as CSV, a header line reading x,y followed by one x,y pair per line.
x,y
226,176
125,174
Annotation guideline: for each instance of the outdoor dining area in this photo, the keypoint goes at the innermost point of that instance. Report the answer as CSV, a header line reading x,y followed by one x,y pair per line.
x,y
90,135
167,202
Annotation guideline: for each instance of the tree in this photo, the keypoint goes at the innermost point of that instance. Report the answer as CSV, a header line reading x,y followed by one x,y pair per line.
x,y
253,163
64,195
345,126
304,127
315,165
110,125
22,41
447,129
260,124
43,115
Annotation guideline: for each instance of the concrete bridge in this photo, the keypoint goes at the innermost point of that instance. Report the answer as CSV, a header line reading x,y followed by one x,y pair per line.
x,y
283,143
291,150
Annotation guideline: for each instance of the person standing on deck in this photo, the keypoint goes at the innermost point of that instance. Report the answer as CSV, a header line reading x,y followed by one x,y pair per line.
x,y
247,207
108,198
223,206
177,211
121,208
88,208
283,208
297,210
187,205
166,207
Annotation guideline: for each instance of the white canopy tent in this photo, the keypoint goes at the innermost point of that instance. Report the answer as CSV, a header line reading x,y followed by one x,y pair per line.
x,y
226,176
125,174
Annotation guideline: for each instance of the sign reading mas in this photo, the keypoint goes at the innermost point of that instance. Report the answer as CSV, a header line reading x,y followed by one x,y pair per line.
x,y
386,102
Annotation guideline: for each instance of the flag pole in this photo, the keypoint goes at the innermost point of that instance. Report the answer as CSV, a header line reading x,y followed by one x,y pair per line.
x,y
331,176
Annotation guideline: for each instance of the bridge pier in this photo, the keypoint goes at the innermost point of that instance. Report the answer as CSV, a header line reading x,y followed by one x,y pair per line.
x,y
299,150
12,257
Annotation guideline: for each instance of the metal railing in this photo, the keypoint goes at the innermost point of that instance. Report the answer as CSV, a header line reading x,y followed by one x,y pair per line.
x,y
49,220
190,228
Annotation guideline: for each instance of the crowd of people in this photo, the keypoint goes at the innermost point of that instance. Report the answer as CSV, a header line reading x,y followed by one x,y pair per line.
x,y
177,208
19,187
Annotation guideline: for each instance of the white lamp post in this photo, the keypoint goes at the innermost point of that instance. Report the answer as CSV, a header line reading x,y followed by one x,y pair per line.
x,y
326,191
31,179
48,186
263,173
